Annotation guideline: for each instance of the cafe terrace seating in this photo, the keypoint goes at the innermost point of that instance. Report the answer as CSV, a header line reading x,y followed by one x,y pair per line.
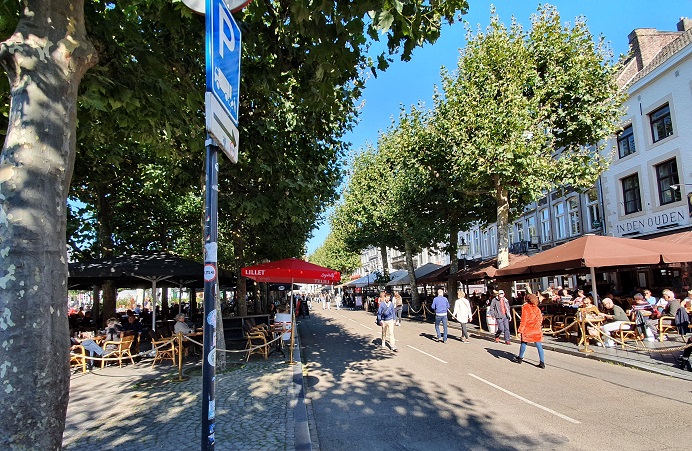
x,y
78,360
164,350
666,324
256,344
628,331
121,351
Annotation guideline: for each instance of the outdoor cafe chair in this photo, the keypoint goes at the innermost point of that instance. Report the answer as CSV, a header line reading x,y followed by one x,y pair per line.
x,y
78,360
121,351
547,323
628,331
164,349
666,324
256,344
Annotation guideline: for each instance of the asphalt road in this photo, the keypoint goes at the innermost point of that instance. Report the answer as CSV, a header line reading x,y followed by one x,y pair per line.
x,y
471,396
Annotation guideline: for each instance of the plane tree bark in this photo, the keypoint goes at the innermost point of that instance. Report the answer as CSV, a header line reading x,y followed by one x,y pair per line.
x,y
45,60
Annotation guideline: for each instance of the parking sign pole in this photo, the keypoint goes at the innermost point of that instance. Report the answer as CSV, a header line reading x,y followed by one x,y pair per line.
x,y
211,202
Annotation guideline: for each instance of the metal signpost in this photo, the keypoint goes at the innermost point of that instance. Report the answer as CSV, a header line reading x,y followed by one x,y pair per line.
x,y
221,103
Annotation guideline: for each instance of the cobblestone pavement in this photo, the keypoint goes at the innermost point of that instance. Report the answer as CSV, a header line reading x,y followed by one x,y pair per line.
x,y
138,408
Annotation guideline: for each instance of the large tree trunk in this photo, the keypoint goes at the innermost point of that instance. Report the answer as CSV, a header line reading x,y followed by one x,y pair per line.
x,y
411,274
239,253
45,60
96,306
385,263
453,265
110,296
220,337
502,199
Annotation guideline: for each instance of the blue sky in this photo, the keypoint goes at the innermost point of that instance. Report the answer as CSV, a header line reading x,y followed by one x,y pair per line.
x,y
407,83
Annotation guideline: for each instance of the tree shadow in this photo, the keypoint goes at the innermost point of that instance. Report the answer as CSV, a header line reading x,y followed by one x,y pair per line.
x,y
358,405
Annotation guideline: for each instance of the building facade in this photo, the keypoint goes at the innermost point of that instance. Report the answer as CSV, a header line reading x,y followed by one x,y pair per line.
x,y
647,190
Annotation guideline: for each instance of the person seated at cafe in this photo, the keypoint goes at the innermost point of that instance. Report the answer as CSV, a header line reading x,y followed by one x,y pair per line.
x,y
641,305
673,305
113,330
133,325
89,345
578,300
588,308
687,302
616,315
181,325
648,297
662,304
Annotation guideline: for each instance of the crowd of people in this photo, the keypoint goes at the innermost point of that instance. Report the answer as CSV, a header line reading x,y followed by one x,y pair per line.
x,y
641,306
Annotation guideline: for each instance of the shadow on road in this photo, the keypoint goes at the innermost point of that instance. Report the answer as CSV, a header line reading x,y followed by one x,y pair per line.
x,y
359,403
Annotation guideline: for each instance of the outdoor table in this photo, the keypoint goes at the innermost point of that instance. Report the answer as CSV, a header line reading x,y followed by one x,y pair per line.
x,y
278,330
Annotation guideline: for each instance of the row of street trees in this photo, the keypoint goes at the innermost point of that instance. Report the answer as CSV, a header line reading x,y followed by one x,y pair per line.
x,y
104,105
525,112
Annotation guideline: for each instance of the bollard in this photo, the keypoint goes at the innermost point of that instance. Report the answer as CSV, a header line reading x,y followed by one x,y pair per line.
x,y
585,338
180,377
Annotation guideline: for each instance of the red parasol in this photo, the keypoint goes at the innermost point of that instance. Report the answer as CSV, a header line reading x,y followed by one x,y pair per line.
x,y
292,270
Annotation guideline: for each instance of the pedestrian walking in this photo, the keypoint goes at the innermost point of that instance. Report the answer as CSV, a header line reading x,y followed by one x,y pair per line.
x,y
499,309
440,305
463,314
337,301
399,305
531,328
385,317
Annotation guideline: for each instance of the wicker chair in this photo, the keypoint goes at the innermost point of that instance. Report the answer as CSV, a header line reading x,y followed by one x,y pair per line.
x,y
256,344
78,360
121,351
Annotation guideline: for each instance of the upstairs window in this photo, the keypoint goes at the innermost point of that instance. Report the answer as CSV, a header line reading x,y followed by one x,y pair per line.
x,y
593,210
667,180
573,212
631,194
560,218
545,225
661,123
626,142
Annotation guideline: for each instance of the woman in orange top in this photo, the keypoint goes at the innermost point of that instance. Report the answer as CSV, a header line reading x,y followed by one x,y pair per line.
x,y
531,328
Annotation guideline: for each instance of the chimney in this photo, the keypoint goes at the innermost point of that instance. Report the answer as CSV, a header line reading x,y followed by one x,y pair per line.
x,y
645,43
684,24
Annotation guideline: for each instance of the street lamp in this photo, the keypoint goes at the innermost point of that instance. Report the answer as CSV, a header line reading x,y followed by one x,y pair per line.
x,y
463,250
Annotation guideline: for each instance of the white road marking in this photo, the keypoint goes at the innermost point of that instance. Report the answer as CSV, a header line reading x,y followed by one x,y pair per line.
x,y
521,398
423,352
367,327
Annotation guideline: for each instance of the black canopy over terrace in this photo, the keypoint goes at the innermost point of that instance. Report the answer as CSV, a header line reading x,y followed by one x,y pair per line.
x,y
138,271
142,271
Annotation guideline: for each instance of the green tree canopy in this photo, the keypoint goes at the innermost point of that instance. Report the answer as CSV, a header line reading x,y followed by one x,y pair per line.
x,y
527,110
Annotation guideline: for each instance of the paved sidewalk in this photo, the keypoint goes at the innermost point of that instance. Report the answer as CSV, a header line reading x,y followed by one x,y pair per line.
x,y
139,408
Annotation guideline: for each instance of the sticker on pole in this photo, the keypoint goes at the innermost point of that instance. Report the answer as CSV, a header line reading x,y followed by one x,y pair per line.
x,y
209,273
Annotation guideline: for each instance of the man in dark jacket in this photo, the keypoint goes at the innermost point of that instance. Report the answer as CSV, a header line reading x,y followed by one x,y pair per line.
x,y
499,309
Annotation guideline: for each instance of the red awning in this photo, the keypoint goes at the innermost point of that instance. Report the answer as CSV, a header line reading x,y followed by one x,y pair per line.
x,y
678,238
292,270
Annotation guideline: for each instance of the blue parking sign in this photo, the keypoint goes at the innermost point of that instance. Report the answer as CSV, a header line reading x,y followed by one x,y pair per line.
x,y
223,56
